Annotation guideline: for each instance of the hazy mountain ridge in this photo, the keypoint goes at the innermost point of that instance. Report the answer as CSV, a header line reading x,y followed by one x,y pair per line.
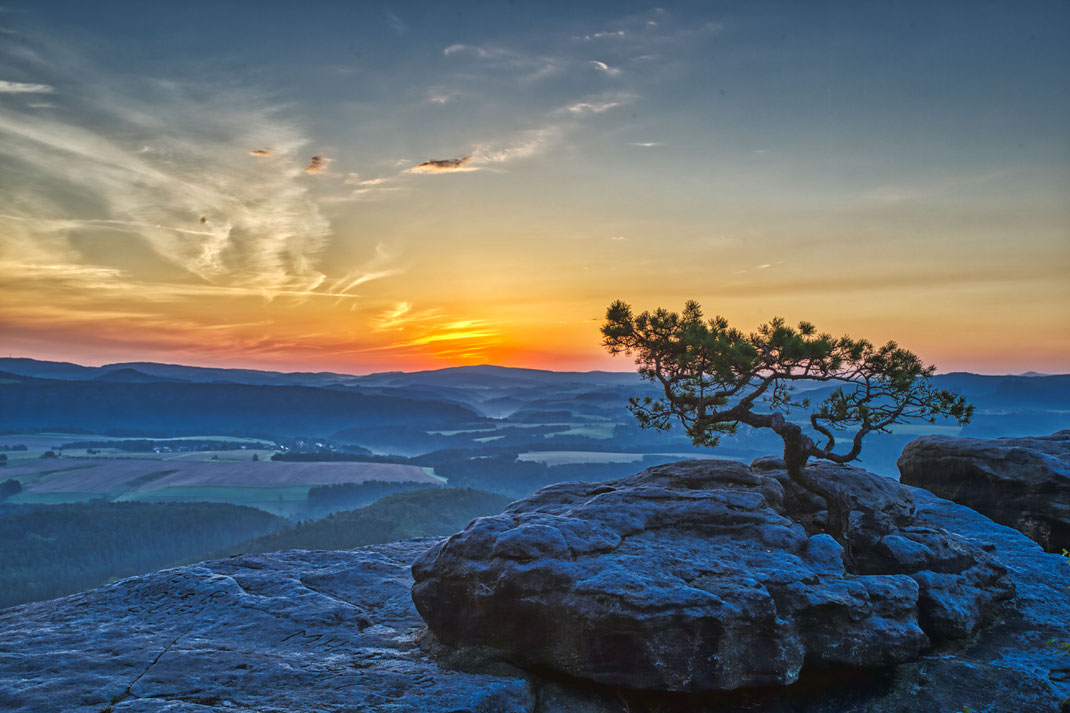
x,y
165,408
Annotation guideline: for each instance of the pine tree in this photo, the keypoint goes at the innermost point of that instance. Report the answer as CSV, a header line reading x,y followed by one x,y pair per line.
x,y
714,377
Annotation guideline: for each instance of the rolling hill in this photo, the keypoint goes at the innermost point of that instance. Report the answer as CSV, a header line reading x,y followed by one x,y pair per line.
x,y
166,408
417,513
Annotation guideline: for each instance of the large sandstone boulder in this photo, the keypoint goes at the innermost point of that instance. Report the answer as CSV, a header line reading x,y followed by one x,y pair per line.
x,y
1020,482
705,575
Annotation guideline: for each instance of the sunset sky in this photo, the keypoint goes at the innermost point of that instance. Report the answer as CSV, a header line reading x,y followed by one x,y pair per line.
x,y
362,187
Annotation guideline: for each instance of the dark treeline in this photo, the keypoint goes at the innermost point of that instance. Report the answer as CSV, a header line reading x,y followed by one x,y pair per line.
x,y
48,551
141,445
351,454
419,513
10,487
325,499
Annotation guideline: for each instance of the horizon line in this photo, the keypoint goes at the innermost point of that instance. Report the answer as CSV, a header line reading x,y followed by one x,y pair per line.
x,y
1028,373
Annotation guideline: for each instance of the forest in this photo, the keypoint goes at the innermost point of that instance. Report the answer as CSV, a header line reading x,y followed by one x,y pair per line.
x,y
424,512
48,551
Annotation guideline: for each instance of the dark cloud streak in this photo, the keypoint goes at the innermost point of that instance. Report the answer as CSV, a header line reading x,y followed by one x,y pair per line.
x,y
318,164
445,164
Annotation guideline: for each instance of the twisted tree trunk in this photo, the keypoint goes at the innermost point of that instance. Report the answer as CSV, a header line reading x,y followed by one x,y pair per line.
x,y
797,450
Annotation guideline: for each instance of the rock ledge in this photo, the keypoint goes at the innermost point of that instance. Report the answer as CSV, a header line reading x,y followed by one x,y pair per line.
x,y
1020,482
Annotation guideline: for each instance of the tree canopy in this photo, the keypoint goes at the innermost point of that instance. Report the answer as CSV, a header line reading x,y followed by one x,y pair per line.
x,y
714,377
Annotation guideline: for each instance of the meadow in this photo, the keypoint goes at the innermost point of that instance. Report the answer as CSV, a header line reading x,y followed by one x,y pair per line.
x,y
277,487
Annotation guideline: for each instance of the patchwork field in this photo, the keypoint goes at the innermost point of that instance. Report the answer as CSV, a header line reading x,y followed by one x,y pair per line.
x,y
275,486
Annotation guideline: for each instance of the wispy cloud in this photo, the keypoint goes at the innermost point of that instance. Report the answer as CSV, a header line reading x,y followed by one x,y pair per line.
x,y
441,96
264,228
646,144
605,34
529,67
605,68
479,52
600,103
23,88
394,317
525,144
396,24
354,179
168,165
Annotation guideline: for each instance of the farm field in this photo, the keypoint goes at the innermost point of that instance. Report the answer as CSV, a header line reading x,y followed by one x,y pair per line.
x,y
566,457
37,443
279,487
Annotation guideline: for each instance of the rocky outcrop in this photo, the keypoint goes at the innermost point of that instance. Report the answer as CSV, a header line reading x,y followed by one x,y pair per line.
x,y
285,632
1020,482
705,575
326,632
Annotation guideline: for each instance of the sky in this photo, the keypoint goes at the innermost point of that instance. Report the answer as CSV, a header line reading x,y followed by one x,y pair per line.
x,y
361,187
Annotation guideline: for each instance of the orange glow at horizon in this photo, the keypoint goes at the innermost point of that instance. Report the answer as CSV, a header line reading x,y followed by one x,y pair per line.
x,y
293,335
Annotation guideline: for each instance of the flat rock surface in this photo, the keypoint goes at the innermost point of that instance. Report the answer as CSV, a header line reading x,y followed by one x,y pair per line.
x,y
705,575
325,632
284,632
1020,482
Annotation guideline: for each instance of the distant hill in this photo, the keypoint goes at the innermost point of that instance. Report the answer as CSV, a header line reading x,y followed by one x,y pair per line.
x,y
76,372
171,408
418,513
497,391
995,392
47,369
7,376
133,376
489,376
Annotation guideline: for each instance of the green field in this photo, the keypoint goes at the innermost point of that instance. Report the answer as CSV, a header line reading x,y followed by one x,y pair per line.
x,y
568,457
563,457
208,476
601,431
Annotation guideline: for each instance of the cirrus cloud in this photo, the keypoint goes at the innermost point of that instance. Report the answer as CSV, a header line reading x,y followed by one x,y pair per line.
x,y
23,88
